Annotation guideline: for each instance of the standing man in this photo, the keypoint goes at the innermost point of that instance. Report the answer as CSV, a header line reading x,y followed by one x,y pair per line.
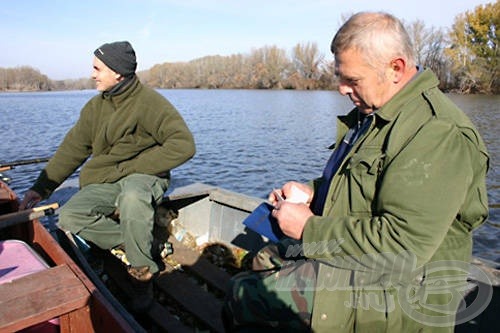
x,y
389,224
128,138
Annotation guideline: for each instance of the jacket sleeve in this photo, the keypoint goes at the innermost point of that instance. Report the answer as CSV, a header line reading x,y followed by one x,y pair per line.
x,y
419,196
75,148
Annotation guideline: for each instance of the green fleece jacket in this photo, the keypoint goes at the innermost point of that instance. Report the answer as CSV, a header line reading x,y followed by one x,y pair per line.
x,y
136,131
399,215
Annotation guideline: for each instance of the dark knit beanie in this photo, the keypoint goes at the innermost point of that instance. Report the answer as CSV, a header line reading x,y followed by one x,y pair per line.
x,y
119,56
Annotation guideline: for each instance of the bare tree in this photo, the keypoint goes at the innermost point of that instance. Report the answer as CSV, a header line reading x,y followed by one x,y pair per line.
x,y
269,65
429,45
306,61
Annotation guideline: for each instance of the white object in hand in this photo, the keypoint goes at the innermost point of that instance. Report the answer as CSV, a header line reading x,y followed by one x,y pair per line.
x,y
296,195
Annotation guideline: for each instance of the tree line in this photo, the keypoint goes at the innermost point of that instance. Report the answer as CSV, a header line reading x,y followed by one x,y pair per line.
x,y
26,78
465,58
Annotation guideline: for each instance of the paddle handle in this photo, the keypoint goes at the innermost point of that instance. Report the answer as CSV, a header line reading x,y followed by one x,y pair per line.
x,y
7,220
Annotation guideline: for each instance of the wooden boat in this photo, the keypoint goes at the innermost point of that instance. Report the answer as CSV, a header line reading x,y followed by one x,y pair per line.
x,y
50,293
210,244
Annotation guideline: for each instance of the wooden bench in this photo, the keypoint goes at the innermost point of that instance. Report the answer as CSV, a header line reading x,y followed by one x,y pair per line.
x,y
52,293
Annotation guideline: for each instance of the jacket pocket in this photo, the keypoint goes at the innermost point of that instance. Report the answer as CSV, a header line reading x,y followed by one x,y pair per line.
x,y
363,172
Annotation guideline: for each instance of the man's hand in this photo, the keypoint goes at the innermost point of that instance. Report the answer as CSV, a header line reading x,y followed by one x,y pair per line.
x,y
292,210
292,217
31,198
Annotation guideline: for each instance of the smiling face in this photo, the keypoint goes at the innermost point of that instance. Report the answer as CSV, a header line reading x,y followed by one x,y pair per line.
x,y
104,77
367,87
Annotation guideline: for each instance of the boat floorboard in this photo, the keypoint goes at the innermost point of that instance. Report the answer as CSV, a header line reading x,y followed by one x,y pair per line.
x,y
192,261
195,286
193,298
158,315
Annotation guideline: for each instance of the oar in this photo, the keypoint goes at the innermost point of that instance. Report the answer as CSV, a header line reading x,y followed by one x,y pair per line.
x,y
7,220
10,165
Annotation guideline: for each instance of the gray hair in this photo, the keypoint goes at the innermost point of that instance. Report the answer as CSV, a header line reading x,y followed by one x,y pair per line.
x,y
378,36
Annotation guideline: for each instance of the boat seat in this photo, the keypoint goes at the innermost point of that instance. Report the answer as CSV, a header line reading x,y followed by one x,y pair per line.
x,y
33,296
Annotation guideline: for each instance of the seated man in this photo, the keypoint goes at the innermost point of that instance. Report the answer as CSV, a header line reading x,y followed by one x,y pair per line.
x,y
132,137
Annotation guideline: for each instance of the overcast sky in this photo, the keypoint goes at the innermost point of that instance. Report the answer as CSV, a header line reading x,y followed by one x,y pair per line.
x,y
58,37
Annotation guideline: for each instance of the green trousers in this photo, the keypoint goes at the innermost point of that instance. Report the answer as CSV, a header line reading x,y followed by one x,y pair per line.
x,y
88,215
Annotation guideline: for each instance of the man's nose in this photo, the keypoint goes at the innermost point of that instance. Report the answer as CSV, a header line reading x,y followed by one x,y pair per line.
x,y
344,89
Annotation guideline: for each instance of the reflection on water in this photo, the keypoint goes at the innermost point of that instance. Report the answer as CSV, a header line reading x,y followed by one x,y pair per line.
x,y
248,141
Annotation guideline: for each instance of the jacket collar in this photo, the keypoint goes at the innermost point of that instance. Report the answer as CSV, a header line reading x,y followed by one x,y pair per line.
x,y
422,81
124,93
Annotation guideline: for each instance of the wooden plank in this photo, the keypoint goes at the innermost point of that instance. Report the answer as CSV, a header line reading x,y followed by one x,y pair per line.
x,y
79,320
157,313
39,297
192,261
169,323
203,305
111,320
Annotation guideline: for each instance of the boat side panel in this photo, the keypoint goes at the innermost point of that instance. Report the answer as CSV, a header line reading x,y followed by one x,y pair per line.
x,y
194,218
219,218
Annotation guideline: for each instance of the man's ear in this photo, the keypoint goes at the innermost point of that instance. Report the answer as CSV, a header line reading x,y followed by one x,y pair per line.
x,y
397,69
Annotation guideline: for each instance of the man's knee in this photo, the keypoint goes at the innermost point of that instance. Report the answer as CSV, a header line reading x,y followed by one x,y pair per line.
x,y
131,196
65,220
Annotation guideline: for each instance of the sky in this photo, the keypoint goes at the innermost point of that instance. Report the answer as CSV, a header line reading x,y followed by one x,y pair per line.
x,y
58,37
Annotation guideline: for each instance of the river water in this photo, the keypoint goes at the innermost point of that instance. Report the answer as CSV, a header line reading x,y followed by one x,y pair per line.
x,y
248,141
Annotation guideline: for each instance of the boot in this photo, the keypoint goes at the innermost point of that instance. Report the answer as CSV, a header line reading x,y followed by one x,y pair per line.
x,y
141,297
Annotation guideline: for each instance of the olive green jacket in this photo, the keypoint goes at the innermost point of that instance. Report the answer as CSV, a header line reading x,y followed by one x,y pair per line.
x,y
406,198
136,131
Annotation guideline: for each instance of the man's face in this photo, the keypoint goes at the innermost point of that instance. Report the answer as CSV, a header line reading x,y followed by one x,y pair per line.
x,y
367,87
104,77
